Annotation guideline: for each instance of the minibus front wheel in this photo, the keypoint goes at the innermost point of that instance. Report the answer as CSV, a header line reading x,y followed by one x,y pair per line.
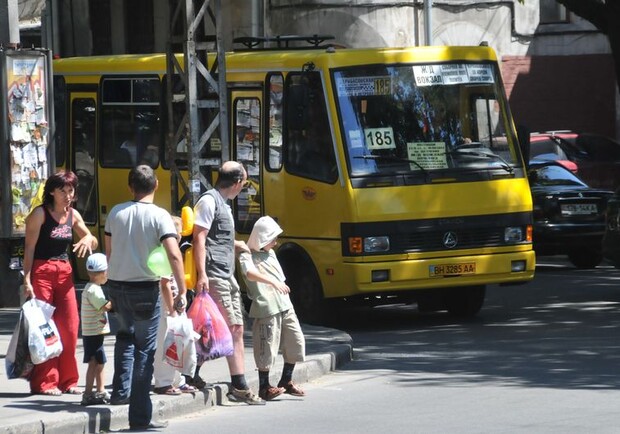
x,y
465,302
306,289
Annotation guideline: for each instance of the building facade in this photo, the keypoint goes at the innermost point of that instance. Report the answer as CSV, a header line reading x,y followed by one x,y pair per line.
x,y
557,67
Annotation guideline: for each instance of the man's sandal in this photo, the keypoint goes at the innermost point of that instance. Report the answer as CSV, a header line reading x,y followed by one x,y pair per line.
x,y
291,389
270,392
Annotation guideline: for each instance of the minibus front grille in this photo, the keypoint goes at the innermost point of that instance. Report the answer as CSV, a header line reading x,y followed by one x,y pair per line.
x,y
435,234
432,241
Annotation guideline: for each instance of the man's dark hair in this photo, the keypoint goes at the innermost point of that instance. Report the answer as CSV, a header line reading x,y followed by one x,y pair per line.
x,y
231,176
142,179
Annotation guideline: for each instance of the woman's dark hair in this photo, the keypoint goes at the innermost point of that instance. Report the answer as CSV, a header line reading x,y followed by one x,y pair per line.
x,y
59,180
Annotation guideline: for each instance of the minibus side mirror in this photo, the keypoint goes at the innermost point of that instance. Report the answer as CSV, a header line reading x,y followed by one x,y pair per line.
x,y
523,135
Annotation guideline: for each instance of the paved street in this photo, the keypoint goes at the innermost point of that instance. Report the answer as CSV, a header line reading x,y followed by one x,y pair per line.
x,y
541,358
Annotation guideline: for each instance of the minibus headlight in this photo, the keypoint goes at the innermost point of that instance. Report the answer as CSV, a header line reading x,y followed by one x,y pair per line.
x,y
513,234
376,244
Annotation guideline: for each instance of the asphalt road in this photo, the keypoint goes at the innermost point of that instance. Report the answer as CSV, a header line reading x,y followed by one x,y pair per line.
x,y
540,358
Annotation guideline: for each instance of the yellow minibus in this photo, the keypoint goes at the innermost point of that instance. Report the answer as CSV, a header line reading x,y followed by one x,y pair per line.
x,y
395,173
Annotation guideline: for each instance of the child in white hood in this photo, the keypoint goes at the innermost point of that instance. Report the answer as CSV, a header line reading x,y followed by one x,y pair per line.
x,y
275,326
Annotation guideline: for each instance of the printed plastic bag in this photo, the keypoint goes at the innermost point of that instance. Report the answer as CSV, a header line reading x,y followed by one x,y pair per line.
x,y
17,361
215,339
179,348
43,338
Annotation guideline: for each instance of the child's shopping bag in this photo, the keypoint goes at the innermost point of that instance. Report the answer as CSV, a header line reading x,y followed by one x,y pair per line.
x,y
215,339
17,361
179,344
43,338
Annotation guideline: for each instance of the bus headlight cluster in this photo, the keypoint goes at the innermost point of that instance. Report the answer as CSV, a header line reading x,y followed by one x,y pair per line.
x,y
517,234
359,245
376,244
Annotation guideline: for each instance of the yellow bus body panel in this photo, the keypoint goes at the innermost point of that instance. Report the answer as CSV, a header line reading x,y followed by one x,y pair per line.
x,y
311,212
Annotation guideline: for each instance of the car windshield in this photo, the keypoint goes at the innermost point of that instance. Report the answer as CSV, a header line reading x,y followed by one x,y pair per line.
x,y
547,149
553,175
416,119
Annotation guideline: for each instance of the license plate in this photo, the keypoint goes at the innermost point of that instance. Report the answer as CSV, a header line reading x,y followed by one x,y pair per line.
x,y
452,269
578,209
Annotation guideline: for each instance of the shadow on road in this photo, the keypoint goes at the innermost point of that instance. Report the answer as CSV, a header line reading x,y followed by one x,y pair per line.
x,y
561,331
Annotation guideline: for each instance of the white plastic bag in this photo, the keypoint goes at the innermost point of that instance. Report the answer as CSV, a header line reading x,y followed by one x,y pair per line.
x,y
43,338
179,347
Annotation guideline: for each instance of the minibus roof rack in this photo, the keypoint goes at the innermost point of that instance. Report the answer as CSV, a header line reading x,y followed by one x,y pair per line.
x,y
282,41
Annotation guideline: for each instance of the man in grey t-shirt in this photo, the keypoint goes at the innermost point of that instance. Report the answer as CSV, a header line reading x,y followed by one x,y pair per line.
x,y
132,231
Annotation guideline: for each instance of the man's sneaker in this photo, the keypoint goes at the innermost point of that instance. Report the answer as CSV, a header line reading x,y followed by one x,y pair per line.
x,y
119,401
103,395
93,399
269,393
196,381
245,395
152,425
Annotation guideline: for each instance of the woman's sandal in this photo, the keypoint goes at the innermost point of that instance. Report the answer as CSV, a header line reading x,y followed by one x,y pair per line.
x,y
167,390
73,391
50,392
186,388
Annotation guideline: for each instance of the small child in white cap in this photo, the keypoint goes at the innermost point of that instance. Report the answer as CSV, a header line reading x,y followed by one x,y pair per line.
x,y
95,325
275,326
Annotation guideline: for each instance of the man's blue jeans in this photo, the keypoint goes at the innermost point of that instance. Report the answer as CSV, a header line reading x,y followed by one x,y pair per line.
x,y
137,309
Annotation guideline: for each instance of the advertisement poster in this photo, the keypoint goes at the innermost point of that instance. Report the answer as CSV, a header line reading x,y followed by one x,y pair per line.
x,y
26,95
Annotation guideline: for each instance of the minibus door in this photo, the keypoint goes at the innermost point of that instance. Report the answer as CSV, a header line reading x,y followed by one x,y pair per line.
x,y
82,162
246,139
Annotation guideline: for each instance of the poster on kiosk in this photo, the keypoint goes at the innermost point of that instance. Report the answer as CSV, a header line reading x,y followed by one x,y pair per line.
x,y
25,157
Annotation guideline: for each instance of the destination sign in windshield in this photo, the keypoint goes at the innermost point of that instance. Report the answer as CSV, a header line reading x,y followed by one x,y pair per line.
x,y
446,75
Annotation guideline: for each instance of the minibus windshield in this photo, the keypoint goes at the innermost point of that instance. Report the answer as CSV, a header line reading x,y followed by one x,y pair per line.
x,y
421,118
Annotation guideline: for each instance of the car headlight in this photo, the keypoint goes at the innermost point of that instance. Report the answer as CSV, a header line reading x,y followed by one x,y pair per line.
x,y
376,244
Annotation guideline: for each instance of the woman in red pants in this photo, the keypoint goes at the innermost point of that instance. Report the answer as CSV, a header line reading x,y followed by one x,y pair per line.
x,y
48,277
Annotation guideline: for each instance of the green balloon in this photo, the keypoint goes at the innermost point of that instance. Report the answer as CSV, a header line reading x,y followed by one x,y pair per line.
x,y
158,262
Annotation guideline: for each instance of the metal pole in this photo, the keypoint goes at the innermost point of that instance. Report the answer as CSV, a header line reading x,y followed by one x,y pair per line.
x,y
9,22
428,22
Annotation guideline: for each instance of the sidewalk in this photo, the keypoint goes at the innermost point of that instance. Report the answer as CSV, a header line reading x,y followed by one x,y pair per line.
x,y
21,412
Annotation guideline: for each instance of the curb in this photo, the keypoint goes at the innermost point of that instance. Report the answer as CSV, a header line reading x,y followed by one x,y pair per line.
x,y
105,418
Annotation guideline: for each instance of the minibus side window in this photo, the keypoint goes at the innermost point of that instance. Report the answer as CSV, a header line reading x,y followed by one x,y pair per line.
x,y
60,120
83,141
130,119
274,145
309,150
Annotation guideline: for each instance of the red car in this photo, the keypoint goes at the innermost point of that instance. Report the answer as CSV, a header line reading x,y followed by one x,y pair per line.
x,y
595,158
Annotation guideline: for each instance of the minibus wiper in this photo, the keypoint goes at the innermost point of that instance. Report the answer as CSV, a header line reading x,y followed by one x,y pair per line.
x,y
388,158
506,166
